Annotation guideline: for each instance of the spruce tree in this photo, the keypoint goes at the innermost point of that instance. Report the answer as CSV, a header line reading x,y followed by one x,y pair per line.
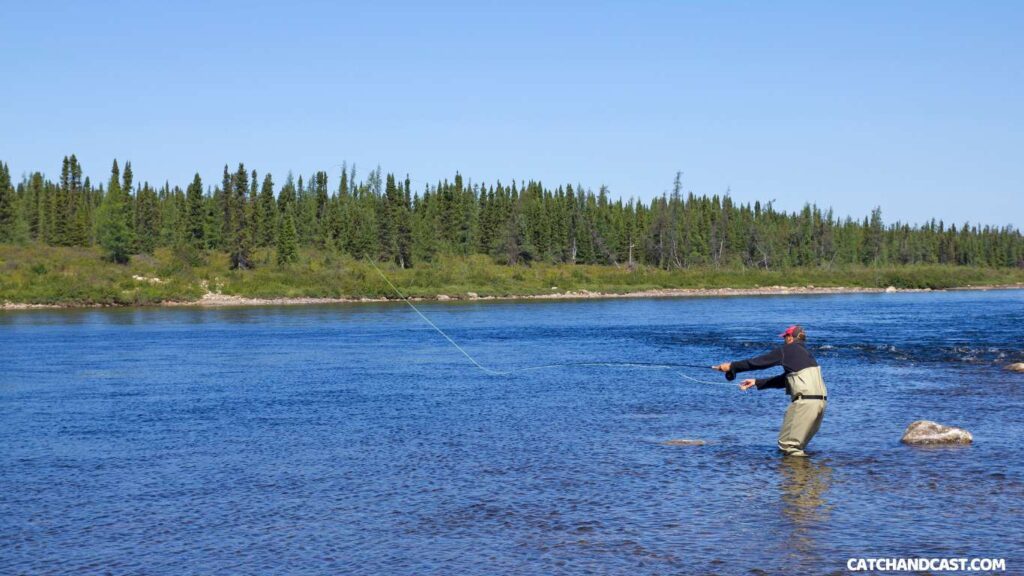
x,y
213,231
332,228
127,179
114,217
195,217
287,239
267,211
227,201
45,219
8,208
79,216
405,226
60,207
255,220
147,219
241,215
33,206
389,221
286,199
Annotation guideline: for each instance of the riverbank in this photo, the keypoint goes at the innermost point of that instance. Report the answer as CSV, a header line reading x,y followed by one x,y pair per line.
x,y
219,300
216,300
49,277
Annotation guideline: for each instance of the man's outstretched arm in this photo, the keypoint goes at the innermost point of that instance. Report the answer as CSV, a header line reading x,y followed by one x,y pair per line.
x,y
769,359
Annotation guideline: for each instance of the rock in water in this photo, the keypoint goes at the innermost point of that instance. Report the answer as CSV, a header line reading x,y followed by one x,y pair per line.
x,y
683,442
1016,367
890,289
926,432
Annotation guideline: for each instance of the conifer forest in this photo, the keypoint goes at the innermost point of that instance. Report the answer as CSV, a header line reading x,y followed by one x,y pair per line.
x,y
379,216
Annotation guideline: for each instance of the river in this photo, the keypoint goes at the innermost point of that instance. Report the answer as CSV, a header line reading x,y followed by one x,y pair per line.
x,y
353,439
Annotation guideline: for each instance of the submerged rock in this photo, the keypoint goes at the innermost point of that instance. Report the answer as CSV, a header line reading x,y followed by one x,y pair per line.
x,y
925,432
1015,367
683,442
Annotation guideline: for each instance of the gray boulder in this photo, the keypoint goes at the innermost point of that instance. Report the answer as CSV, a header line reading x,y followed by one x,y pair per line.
x,y
926,432
1015,367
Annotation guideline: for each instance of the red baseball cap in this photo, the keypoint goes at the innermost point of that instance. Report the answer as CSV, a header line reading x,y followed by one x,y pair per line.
x,y
794,331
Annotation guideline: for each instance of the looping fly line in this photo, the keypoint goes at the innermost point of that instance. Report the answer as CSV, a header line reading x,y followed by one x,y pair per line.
x,y
493,372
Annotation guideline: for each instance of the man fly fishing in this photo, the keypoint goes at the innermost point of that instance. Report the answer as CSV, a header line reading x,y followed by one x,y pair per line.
x,y
801,377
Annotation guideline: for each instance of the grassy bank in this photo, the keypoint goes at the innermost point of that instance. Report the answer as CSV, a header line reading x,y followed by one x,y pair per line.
x,y
80,276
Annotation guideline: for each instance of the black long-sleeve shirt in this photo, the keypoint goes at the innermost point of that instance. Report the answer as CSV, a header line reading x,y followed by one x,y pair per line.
x,y
792,357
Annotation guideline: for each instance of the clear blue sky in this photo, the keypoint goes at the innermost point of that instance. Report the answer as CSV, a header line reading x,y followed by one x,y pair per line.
x,y
914,106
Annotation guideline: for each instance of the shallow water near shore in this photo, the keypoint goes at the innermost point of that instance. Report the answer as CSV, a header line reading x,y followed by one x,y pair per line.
x,y
353,439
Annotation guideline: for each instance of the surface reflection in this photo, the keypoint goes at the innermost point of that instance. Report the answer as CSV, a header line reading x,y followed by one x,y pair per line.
x,y
804,487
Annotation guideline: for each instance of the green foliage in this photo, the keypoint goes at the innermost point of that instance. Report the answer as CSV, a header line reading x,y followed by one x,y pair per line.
x,y
8,208
522,223
114,229
287,240
147,220
266,211
42,274
241,210
195,213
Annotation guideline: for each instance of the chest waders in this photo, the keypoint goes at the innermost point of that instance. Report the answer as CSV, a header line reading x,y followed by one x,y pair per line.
x,y
805,412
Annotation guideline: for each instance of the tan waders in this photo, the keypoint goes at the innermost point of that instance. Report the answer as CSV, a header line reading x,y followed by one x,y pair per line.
x,y
803,417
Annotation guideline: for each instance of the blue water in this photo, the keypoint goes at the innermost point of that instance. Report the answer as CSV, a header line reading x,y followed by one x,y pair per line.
x,y
355,440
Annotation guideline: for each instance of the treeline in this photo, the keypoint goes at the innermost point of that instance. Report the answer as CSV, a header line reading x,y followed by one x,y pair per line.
x,y
381,217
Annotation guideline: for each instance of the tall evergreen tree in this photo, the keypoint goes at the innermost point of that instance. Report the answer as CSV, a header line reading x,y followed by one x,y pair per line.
x,y
8,208
114,229
241,216
79,208
147,219
195,213
287,239
267,210
227,203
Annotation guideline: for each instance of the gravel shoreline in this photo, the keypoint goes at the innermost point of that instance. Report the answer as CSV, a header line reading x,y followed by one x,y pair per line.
x,y
214,300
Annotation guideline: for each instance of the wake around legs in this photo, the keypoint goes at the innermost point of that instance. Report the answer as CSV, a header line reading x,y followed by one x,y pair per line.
x,y
801,378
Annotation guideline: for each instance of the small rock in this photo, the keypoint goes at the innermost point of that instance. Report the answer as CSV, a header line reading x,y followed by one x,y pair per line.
x,y
890,289
683,442
151,280
1015,367
925,432
472,294
443,297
